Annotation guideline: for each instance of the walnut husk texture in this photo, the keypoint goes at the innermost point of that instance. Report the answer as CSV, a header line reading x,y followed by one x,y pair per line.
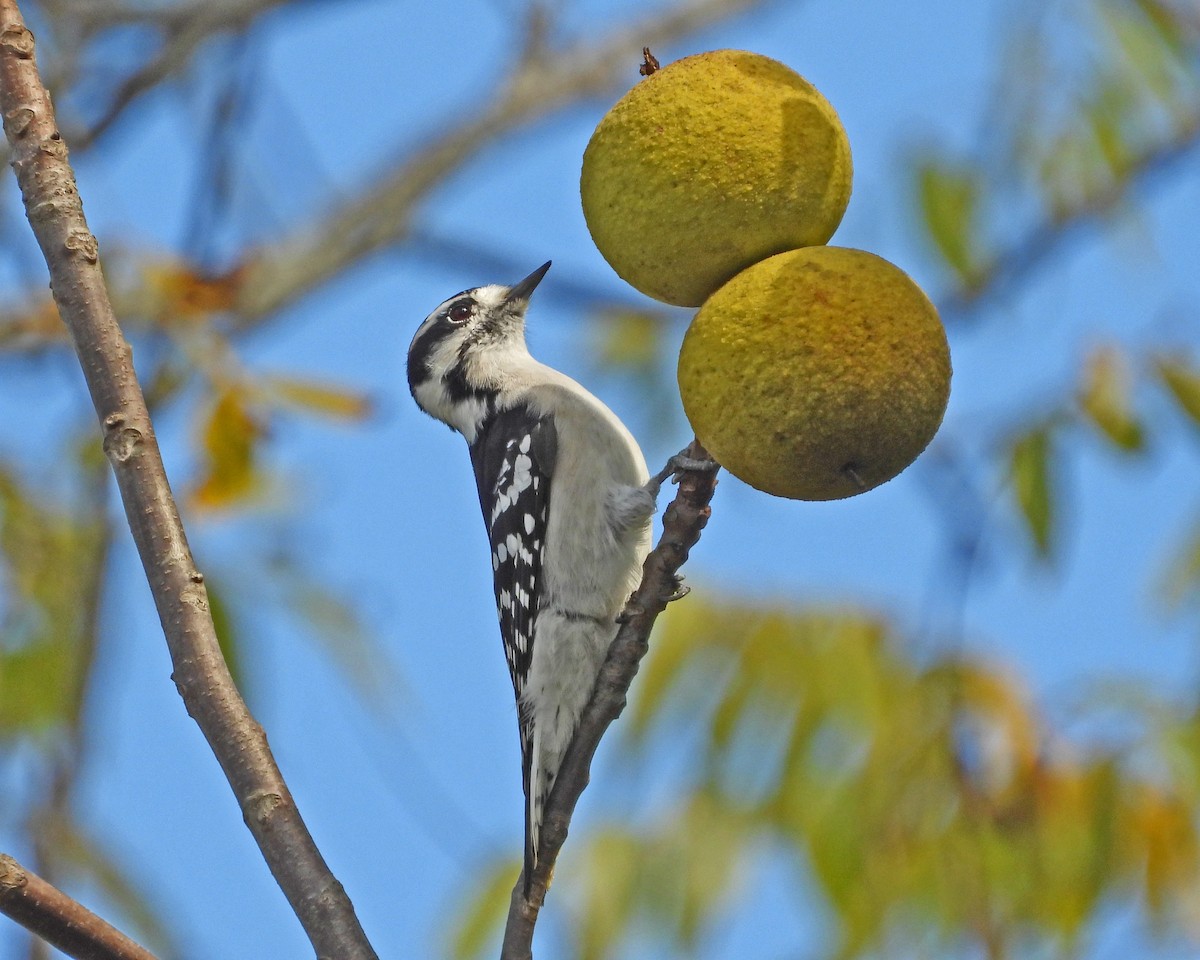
x,y
713,163
816,374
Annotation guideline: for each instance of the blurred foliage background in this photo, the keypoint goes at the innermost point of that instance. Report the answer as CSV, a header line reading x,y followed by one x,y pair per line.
x,y
910,794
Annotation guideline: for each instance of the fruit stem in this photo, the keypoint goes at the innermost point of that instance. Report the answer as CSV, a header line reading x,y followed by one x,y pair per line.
x,y
649,63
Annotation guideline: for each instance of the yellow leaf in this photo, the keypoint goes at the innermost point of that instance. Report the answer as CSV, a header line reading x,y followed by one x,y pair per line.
x,y
36,324
182,293
229,441
321,398
1008,739
1183,381
1165,845
1105,400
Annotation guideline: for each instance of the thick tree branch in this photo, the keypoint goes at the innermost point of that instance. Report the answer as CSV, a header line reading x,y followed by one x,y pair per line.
x,y
683,522
55,213
69,926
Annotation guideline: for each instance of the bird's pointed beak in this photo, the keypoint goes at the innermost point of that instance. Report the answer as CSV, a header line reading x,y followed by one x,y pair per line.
x,y
522,291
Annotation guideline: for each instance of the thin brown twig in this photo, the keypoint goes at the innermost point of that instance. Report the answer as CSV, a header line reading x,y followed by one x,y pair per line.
x,y
186,30
683,521
55,213
69,926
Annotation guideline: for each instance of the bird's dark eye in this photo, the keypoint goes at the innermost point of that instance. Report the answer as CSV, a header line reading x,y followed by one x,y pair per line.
x,y
460,313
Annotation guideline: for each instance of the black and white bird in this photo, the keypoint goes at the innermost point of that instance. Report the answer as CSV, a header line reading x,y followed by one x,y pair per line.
x,y
567,503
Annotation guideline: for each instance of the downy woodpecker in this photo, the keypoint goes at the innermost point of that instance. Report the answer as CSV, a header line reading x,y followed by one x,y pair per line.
x,y
567,503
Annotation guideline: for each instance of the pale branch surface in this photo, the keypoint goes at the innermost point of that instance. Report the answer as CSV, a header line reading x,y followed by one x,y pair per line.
x,y
55,214
65,924
683,521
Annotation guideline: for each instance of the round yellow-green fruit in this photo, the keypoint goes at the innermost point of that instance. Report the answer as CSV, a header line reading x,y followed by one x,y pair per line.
x,y
708,165
816,374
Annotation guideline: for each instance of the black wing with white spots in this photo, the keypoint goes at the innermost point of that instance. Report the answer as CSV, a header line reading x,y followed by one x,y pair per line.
x,y
513,456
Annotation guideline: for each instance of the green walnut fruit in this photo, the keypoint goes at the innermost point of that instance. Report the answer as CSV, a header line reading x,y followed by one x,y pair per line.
x,y
816,374
710,164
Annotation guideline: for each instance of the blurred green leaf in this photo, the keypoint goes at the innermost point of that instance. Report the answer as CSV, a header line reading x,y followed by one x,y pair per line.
x,y
36,685
608,872
1149,38
949,200
678,872
49,560
1183,382
481,921
1076,809
922,799
1105,399
1167,22
671,649
1106,113
1030,470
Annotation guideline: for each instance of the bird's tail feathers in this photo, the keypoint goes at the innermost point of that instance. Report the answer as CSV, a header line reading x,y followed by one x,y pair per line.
x,y
535,800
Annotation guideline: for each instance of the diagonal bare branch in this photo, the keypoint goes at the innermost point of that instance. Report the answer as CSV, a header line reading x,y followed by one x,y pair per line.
x,y
69,926
186,30
55,213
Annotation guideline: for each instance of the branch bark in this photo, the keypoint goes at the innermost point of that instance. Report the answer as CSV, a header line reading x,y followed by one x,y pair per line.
x,y
683,521
62,922
55,213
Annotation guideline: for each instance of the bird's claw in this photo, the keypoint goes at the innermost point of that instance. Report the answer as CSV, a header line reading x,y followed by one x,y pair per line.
x,y
676,467
681,590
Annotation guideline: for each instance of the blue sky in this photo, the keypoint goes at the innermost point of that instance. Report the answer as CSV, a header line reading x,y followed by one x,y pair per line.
x,y
389,511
